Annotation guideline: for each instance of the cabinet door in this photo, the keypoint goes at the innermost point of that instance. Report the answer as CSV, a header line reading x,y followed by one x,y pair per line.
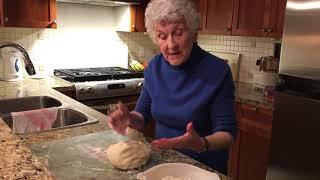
x,y
252,156
137,16
249,154
251,17
217,17
29,13
277,18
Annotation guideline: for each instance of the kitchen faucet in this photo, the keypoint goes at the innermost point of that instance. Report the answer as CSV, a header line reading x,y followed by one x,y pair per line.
x,y
27,61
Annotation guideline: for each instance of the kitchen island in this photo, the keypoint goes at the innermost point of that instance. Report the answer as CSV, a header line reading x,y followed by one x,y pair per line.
x,y
17,160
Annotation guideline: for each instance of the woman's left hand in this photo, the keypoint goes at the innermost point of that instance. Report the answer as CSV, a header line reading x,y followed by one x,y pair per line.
x,y
190,140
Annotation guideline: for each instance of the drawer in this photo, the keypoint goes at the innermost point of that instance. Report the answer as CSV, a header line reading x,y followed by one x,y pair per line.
x,y
254,113
255,128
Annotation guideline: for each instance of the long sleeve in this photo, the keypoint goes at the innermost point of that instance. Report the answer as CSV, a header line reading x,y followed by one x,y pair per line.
x,y
144,103
222,106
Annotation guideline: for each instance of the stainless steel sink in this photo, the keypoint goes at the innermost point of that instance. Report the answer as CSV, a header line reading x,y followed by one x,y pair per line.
x,y
27,103
69,118
66,118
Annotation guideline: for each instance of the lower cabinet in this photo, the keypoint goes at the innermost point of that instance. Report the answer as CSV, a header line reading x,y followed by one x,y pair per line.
x,y
249,154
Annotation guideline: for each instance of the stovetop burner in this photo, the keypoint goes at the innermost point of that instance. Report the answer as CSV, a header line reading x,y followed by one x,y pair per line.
x,y
97,74
87,73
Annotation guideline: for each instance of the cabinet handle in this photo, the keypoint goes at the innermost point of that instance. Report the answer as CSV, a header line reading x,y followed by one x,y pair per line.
x,y
227,29
250,108
269,29
254,109
52,23
6,19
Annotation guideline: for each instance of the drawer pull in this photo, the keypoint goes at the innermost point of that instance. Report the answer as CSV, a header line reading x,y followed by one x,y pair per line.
x,y
254,109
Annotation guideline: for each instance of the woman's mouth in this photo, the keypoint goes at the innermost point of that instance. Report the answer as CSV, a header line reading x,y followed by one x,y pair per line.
x,y
174,54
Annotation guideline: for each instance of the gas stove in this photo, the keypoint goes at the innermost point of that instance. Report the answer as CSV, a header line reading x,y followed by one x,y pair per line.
x,y
102,82
97,74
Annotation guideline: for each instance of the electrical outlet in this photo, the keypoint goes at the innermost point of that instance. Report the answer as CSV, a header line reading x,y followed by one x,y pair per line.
x,y
142,51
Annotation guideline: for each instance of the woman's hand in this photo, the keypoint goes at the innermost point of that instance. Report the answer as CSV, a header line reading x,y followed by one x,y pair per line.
x,y
119,118
190,140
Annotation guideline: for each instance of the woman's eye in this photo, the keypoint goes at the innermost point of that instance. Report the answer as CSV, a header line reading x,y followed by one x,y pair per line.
x,y
162,36
179,32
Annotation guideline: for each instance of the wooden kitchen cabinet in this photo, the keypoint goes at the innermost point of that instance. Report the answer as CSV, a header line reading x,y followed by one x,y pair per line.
x,y
251,17
249,154
277,18
262,18
258,18
217,17
137,16
28,13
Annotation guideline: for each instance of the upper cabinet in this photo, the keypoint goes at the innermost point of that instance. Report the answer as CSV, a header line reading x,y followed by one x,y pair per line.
x,y
243,17
137,16
31,13
258,18
217,17
251,17
277,18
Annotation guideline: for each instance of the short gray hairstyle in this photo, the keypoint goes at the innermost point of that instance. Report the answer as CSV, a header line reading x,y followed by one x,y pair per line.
x,y
171,11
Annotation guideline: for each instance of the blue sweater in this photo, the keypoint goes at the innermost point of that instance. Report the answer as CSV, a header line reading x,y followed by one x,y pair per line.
x,y
200,90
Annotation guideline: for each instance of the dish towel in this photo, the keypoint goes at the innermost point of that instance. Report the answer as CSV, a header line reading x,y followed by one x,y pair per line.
x,y
34,120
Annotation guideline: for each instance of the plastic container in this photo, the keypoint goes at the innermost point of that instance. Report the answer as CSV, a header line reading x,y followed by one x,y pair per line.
x,y
177,170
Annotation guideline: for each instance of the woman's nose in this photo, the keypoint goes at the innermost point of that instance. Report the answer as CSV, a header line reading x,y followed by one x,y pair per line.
x,y
171,42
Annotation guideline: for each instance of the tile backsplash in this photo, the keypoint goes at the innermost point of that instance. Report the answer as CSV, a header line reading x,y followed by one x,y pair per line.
x,y
86,37
141,48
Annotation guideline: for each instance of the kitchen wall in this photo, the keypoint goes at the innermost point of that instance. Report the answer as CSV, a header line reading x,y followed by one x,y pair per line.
x,y
141,48
86,37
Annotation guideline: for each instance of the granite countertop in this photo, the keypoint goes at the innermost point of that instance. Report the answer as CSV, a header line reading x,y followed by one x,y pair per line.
x,y
16,159
245,94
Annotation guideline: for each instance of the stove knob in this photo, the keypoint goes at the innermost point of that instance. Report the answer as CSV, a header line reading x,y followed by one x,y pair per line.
x,y
140,84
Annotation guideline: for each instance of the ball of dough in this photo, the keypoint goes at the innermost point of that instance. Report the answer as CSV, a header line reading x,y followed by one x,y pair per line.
x,y
128,155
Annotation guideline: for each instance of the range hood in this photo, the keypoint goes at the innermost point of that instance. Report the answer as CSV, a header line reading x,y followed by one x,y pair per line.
x,y
103,2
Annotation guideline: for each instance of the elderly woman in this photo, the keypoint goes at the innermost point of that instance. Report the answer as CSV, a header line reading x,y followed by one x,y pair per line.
x,y
187,91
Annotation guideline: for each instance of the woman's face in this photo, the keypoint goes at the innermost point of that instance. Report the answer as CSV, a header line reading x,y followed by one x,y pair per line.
x,y
175,41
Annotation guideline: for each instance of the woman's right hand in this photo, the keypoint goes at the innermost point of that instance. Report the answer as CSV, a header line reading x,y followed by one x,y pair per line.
x,y
119,118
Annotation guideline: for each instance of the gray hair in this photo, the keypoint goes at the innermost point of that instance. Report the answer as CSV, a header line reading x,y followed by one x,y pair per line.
x,y
171,11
